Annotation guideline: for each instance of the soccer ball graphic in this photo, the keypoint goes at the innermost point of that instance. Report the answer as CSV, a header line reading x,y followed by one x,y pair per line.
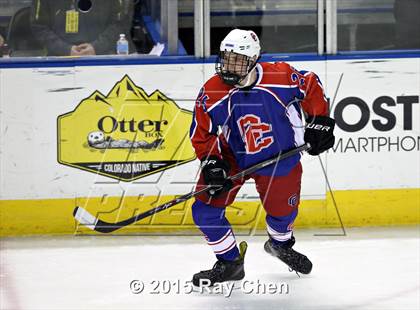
x,y
96,137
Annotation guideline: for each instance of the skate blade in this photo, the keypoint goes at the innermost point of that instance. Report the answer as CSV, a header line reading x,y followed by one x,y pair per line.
x,y
221,288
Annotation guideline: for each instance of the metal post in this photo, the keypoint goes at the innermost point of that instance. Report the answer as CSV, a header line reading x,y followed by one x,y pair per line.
x,y
331,31
164,20
206,29
352,37
169,24
321,20
198,28
335,27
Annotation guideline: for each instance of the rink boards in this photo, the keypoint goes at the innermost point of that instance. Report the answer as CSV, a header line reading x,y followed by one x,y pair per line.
x,y
50,162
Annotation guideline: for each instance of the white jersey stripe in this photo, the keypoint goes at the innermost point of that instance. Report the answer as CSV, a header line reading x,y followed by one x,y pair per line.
x,y
260,73
277,235
297,124
221,100
227,249
221,239
210,126
224,244
195,126
279,86
231,92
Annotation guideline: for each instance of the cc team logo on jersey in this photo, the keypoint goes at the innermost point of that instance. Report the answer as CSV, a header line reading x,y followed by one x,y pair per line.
x,y
254,133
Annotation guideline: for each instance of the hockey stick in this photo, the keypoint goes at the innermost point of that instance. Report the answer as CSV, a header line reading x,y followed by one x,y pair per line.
x,y
88,220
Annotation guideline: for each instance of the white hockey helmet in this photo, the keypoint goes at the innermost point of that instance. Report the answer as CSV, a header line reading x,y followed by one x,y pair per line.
x,y
243,42
239,53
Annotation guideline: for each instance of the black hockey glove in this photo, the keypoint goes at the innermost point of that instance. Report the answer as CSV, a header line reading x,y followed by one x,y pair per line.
x,y
215,172
319,134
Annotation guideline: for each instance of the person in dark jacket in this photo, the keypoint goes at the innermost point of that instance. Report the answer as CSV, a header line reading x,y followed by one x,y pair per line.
x,y
81,27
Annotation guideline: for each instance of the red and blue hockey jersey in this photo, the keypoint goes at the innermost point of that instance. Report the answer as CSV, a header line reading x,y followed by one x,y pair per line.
x,y
260,121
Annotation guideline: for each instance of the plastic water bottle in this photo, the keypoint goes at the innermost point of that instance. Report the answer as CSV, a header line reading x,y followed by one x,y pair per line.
x,y
122,45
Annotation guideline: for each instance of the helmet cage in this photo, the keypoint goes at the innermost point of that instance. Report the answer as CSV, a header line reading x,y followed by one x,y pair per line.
x,y
233,67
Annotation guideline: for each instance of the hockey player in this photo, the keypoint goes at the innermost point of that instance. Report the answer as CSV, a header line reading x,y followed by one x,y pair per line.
x,y
244,114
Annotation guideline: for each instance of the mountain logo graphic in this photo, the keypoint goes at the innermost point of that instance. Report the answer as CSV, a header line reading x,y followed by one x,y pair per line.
x,y
125,135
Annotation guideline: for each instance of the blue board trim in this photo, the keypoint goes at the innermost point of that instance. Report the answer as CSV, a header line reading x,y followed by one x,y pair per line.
x,y
51,62
290,12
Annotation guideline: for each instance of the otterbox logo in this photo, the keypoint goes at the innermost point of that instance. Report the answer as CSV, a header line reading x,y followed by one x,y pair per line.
x,y
126,134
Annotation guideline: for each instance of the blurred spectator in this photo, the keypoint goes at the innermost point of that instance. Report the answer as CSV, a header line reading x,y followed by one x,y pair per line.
x,y
140,35
81,27
1,41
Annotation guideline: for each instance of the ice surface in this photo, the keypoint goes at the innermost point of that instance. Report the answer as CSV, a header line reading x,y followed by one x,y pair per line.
x,y
376,268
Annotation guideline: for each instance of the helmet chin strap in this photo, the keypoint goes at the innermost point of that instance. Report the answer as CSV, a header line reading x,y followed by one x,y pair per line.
x,y
230,78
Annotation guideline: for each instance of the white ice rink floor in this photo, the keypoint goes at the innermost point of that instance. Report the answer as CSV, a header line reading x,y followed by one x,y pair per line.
x,y
375,268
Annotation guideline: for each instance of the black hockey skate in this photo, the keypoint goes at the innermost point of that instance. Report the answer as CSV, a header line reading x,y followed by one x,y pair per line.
x,y
295,260
223,270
